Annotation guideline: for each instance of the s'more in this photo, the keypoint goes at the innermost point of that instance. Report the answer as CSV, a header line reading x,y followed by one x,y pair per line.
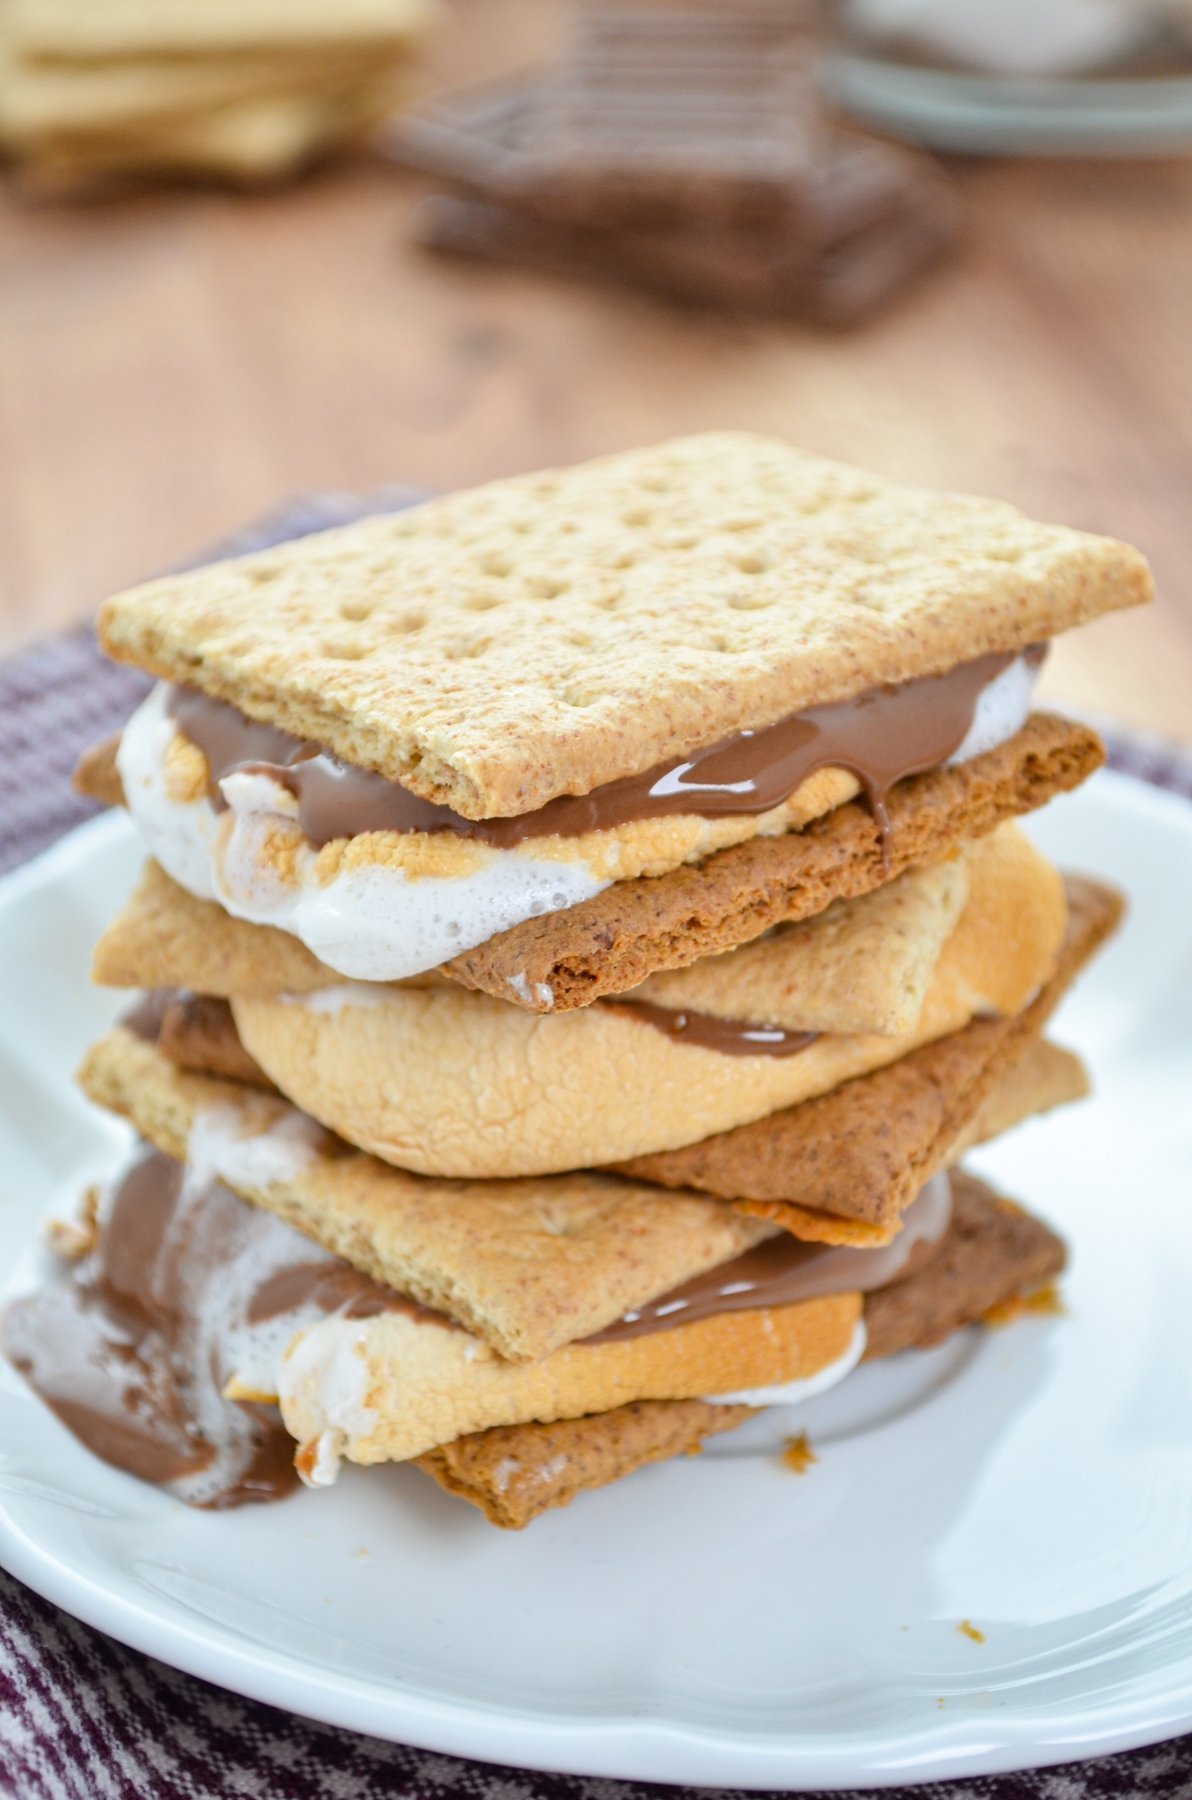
x,y
585,923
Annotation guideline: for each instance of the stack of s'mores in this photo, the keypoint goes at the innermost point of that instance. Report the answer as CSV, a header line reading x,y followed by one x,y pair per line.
x,y
586,921
231,90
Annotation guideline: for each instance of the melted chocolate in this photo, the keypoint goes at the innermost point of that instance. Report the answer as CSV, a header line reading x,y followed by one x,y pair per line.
x,y
782,1271
130,1351
880,736
330,1286
144,1017
133,1349
731,1037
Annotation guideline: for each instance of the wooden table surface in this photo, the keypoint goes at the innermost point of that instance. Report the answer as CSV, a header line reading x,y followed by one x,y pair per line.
x,y
172,364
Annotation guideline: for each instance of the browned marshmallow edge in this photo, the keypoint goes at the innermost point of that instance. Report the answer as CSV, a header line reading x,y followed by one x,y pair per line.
x,y
167,937
612,942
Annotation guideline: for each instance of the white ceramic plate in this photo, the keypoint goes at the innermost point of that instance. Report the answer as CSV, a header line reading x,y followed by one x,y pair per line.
x,y
717,1621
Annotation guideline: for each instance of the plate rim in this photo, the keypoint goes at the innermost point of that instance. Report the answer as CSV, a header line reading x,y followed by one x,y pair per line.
x,y
618,1746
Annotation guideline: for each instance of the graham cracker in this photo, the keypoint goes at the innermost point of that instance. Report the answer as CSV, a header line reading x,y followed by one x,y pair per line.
x,y
861,1153
993,1251
1043,1077
553,632
96,775
514,1473
861,965
455,1084
612,942
245,140
67,30
164,937
59,102
528,1266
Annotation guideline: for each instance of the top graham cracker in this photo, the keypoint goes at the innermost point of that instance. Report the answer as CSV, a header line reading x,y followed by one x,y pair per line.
x,y
547,634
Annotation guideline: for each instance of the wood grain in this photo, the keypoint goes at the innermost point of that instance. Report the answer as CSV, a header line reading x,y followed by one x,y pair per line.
x,y
172,364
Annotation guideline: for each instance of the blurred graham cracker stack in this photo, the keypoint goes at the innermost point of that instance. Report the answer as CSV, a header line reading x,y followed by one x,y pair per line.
x,y
238,93
65,30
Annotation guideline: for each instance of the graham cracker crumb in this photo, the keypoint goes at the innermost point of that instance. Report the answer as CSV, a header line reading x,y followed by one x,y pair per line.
x,y
797,1454
1046,1301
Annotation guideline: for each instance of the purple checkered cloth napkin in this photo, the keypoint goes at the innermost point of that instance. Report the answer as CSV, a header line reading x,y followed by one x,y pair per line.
x,y
84,1718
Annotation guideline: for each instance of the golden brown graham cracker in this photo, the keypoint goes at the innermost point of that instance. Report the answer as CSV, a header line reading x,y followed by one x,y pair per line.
x,y
528,1266
992,1253
550,633
513,1473
65,104
253,139
861,965
612,942
1043,1077
164,936
135,28
862,1152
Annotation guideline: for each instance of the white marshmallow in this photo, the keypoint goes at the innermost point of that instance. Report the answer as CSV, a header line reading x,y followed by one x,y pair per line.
x,y
1002,710
370,924
375,924
215,1151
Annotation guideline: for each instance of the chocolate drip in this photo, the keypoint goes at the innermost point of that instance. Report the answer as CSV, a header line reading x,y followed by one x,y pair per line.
x,y
880,736
704,1031
133,1349
331,1286
782,1271
144,1017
